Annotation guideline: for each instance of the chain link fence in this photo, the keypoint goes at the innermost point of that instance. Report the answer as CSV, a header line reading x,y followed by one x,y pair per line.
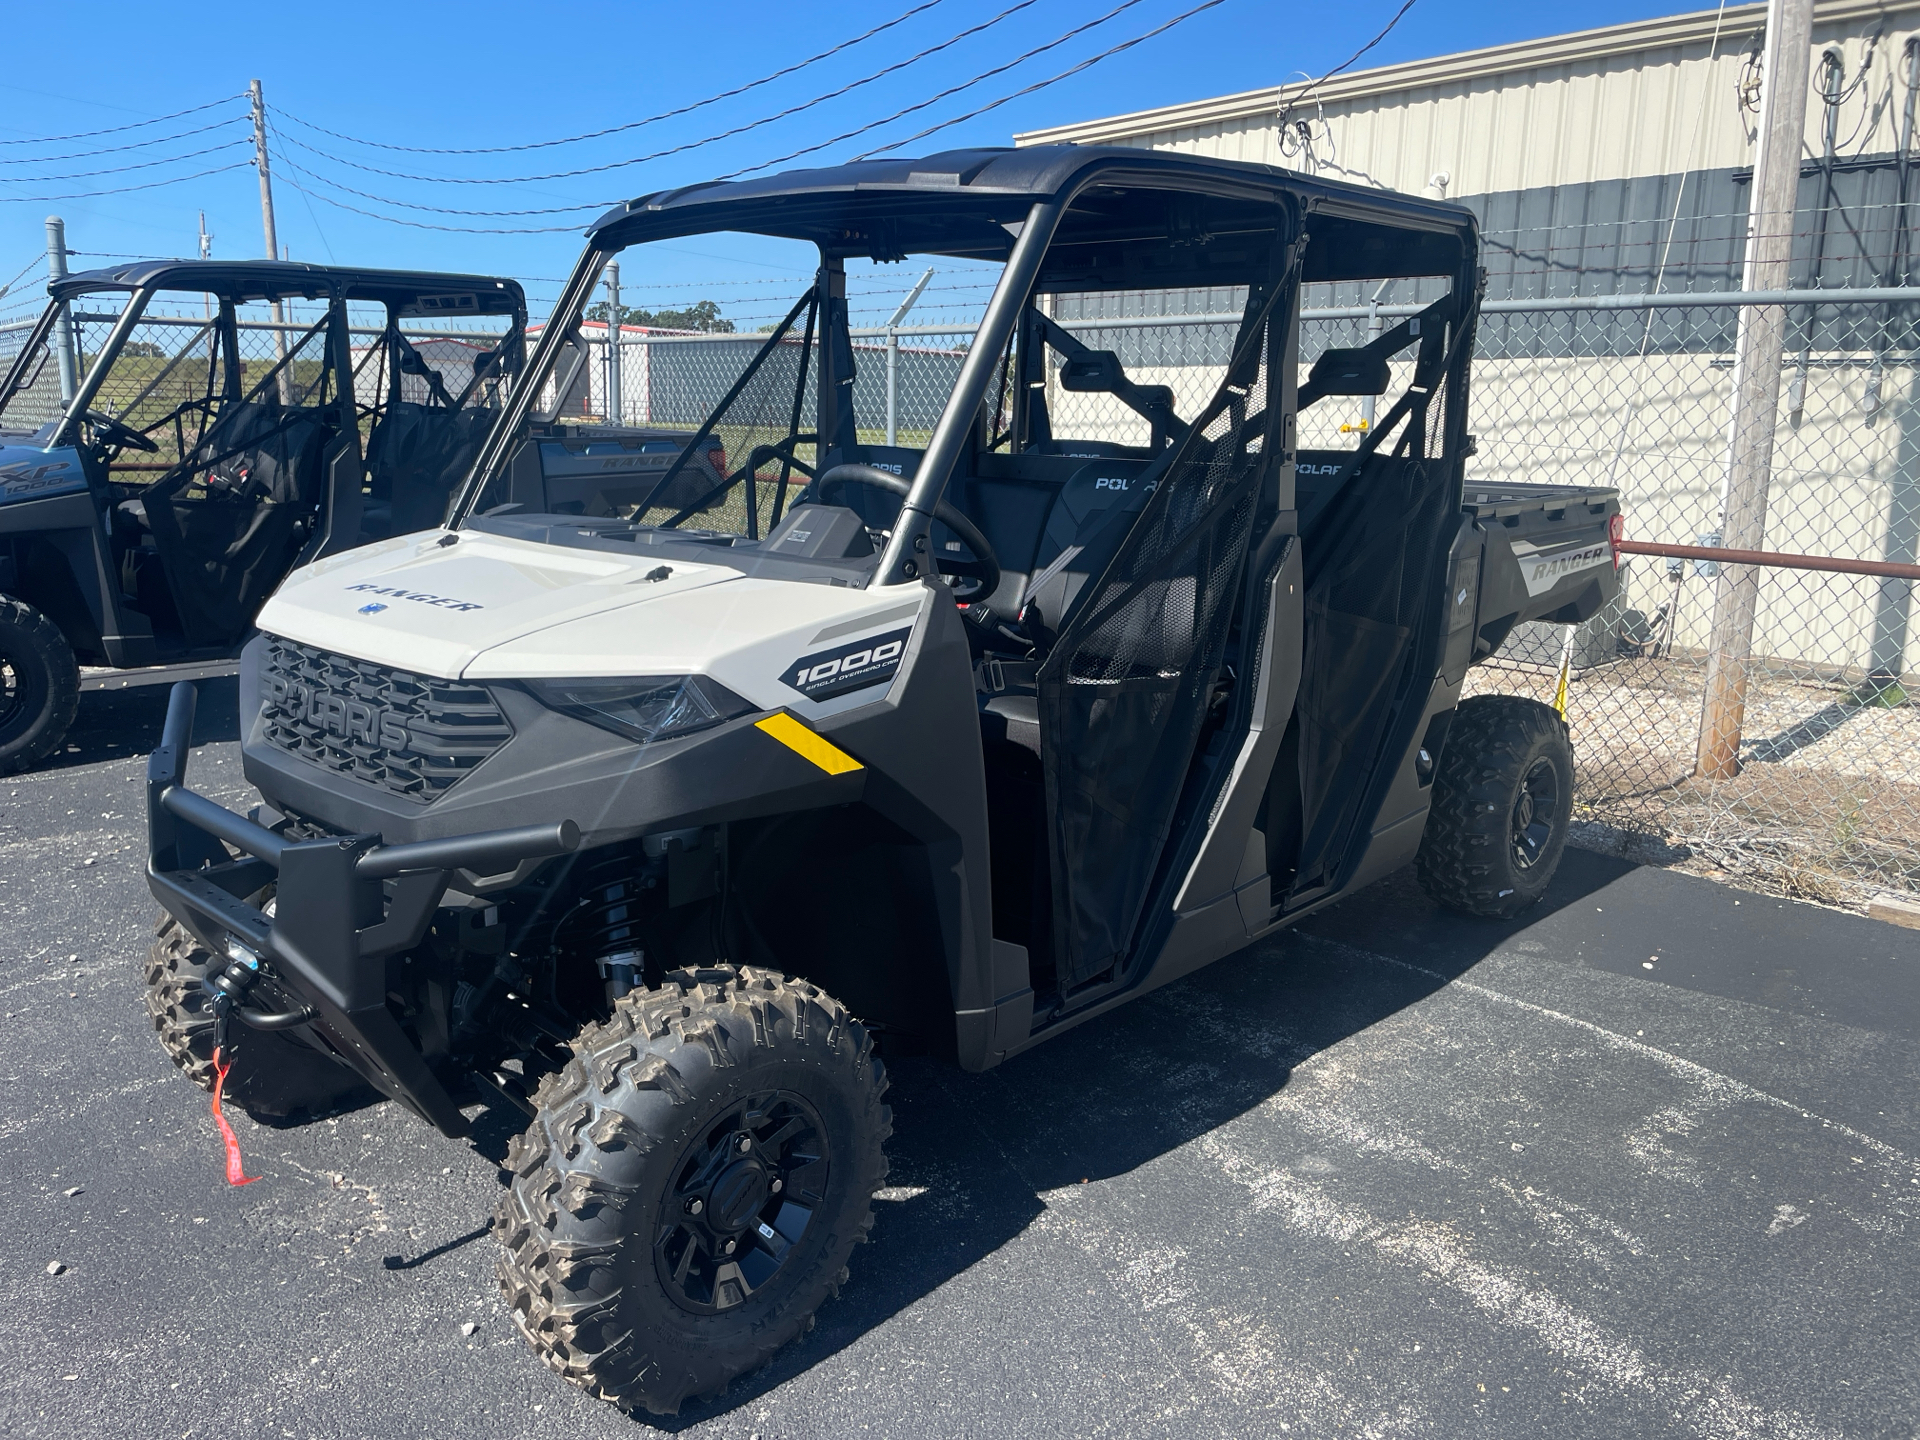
x,y
1826,801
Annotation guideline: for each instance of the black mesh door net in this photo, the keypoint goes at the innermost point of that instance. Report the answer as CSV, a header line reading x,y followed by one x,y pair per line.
x,y
1125,689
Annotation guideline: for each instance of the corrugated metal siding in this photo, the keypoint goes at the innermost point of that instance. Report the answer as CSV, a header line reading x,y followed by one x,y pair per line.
x,y
1652,112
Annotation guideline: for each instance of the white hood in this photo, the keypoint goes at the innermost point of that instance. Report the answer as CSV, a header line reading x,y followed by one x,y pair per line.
x,y
417,604
491,608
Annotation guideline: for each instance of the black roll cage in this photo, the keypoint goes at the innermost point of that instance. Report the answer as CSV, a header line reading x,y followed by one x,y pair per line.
x,y
234,282
976,204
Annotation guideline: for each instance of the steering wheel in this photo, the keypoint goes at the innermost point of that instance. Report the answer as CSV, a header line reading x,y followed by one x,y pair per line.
x,y
983,570
109,431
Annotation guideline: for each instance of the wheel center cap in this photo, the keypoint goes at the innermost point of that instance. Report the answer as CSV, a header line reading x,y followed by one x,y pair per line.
x,y
738,1195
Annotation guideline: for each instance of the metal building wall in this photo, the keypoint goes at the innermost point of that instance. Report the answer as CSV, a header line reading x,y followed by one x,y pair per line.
x,y
1648,99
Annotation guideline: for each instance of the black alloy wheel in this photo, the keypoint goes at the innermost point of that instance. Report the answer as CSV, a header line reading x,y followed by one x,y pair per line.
x,y
1536,811
743,1197
693,1184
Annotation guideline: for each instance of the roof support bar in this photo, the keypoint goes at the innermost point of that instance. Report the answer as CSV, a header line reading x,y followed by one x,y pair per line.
x,y
905,557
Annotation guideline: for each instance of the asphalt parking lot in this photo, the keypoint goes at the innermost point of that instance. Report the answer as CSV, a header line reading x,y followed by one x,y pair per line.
x,y
1645,1164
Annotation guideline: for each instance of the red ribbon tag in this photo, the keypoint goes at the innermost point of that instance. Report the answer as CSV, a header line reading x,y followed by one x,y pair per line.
x,y
236,1174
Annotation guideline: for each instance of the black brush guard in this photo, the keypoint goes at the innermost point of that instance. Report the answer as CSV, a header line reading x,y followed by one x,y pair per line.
x,y
344,905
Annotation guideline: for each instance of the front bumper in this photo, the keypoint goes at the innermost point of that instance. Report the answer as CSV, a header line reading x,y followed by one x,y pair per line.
x,y
344,905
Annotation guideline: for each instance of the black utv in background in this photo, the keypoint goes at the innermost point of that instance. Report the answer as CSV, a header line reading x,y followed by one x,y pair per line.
x,y
650,831
190,455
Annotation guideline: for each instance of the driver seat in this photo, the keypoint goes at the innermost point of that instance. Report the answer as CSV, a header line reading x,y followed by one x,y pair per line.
x,y
1094,511
225,552
1088,518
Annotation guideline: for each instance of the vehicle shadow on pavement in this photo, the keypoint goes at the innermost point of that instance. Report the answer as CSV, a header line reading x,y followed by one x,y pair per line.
x,y
976,1157
119,724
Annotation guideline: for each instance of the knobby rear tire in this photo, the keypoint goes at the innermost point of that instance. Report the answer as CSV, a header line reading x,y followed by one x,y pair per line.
x,y
1468,859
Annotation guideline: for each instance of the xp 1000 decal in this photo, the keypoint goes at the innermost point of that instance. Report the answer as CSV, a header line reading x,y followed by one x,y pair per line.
x,y
850,665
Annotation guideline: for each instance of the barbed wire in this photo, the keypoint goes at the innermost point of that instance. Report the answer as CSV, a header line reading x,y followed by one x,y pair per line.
x,y
21,274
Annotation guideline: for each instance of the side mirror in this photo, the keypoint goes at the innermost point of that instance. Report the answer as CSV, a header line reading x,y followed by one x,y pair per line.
x,y
1349,372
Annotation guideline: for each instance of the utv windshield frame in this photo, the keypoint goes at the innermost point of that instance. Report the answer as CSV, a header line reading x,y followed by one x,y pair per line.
x,y
998,205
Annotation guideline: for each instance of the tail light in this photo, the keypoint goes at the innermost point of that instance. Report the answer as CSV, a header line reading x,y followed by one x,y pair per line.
x,y
1616,532
717,457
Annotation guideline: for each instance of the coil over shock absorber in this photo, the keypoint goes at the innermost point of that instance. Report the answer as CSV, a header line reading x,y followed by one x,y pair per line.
x,y
607,920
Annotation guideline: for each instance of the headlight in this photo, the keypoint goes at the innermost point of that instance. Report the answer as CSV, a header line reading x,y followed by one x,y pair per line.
x,y
644,707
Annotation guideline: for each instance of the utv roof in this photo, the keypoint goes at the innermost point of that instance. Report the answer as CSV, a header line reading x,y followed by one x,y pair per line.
x,y
420,291
960,201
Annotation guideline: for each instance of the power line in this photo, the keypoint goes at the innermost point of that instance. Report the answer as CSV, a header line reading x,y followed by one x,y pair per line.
x,y
984,75
117,129
125,189
1042,84
427,224
1343,65
281,156
116,149
826,54
791,110
123,169
805,150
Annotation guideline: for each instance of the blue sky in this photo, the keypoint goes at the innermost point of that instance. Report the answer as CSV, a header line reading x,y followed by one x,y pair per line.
x,y
495,74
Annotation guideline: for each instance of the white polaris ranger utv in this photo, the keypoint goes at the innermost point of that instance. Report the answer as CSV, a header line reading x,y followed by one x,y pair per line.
x,y
660,834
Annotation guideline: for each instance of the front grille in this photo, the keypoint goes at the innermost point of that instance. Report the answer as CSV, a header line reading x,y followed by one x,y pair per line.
x,y
410,735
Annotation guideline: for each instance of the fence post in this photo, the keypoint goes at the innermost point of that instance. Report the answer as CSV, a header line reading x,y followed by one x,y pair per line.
x,y
614,397
1757,366
63,341
893,386
893,358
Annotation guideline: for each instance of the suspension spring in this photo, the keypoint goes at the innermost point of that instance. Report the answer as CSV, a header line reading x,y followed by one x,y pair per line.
x,y
608,919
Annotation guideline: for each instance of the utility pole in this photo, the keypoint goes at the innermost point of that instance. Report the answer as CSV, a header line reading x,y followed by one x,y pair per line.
x,y
1756,388
259,101
613,342
893,357
63,343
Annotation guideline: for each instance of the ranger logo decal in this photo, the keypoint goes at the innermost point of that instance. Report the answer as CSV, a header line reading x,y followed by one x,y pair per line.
x,y
850,665
1543,572
445,602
